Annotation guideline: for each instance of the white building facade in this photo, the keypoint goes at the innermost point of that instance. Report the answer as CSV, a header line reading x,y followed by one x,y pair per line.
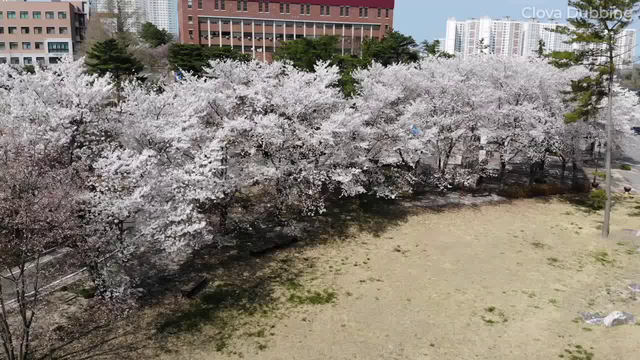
x,y
163,14
509,37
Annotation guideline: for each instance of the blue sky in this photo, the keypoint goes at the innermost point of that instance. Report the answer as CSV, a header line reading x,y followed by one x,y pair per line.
x,y
426,19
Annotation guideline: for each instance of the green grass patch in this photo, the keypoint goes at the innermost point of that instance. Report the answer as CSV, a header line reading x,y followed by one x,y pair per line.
x,y
553,261
603,258
625,167
314,298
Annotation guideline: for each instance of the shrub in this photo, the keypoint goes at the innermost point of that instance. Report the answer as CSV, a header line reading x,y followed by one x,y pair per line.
x,y
625,167
537,190
600,174
598,199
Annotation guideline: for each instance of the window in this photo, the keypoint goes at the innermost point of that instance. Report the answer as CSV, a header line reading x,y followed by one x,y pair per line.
x,y
36,14
11,14
321,10
301,9
341,11
217,5
54,60
190,19
62,14
222,5
379,13
2,45
3,60
51,30
37,30
266,6
360,12
13,45
15,61
191,34
58,47
189,4
26,46
281,8
13,30
308,9
40,60
24,30
387,14
1,16
199,4
346,11
260,6
27,60
243,5
325,10
64,30
48,14
24,14
366,12
39,45
1,30
328,9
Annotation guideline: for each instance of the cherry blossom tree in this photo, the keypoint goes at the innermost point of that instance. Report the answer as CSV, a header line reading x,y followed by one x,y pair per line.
x,y
43,118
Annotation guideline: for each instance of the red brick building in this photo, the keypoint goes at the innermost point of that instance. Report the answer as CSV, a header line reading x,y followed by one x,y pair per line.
x,y
257,27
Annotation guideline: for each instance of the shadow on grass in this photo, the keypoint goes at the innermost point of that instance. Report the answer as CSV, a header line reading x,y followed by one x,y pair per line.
x,y
247,277
102,343
215,306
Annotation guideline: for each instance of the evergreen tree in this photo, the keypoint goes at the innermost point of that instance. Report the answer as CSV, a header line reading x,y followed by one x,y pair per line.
x,y
431,49
110,57
194,58
394,48
596,31
541,46
154,36
347,65
306,52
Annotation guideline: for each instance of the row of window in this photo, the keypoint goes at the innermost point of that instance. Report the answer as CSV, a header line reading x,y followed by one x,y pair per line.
x,y
269,37
285,8
291,24
35,14
55,47
36,30
340,28
28,60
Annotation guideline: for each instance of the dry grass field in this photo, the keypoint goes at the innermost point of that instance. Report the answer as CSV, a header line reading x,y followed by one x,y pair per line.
x,y
503,281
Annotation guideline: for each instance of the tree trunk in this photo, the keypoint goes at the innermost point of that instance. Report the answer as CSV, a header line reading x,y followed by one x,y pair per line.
x,y
223,215
564,169
503,173
532,173
574,175
607,209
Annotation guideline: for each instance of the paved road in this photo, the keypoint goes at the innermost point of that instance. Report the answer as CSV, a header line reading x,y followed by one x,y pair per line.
x,y
53,267
631,157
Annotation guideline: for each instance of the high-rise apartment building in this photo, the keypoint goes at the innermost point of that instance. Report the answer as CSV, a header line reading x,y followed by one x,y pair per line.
x,y
508,37
43,32
536,31
163,14
132,12
257,27
484,35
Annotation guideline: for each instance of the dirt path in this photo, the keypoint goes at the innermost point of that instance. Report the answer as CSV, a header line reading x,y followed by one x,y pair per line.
x,y
501,282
